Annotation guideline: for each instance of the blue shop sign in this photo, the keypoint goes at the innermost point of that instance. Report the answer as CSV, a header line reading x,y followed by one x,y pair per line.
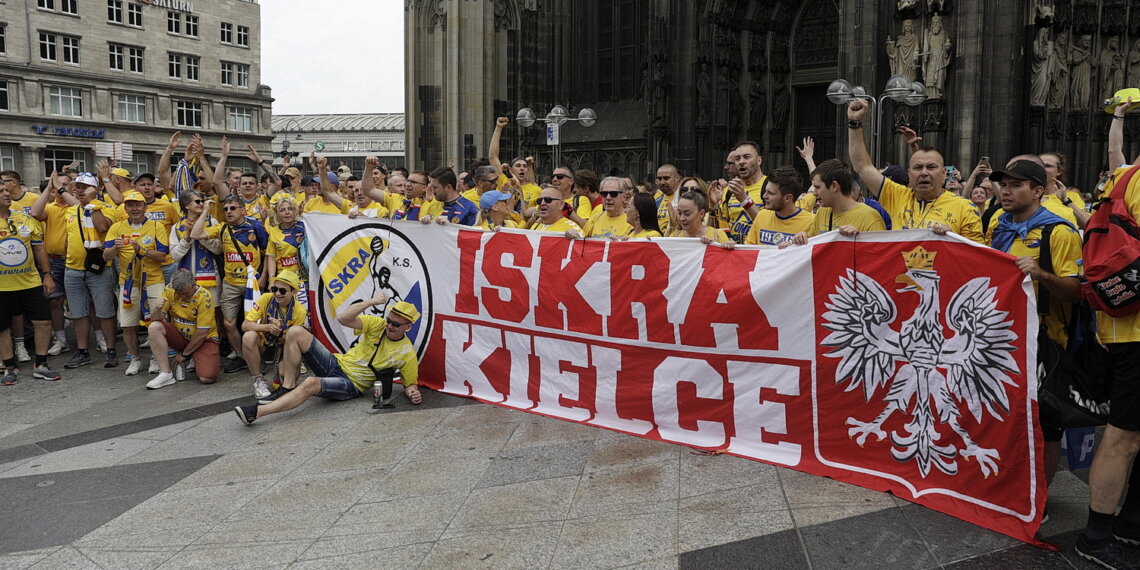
x,y
70,132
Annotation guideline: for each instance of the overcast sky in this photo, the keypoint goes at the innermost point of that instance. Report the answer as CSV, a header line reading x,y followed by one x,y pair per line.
x,y
360,42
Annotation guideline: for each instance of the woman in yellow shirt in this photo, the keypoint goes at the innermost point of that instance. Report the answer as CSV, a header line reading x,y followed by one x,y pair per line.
x,y
641,213
691,210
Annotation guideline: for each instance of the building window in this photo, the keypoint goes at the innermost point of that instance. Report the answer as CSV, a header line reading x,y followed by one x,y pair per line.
x,y
132,108
192,67
134,15
189,113
227,73
66,102
115,54
47,46
243,36
4,96
7,158
242,75
241,119
174,22
174,65
69,7
56,160
115,11
135,59
138,164
70,49
3,38
191,26
46,4
227,33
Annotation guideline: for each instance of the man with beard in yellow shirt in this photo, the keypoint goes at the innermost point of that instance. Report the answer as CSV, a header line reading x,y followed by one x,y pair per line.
x,y
745,192
925,203
781,219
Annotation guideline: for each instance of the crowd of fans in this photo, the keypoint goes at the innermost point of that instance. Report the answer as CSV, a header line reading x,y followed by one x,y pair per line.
x,y
179,252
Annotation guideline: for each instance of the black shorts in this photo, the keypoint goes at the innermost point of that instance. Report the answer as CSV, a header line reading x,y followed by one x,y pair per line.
x,y
28,302
1124,400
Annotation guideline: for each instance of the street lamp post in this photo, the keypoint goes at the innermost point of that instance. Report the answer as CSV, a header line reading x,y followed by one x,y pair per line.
x,y
898,89
285,137
554,120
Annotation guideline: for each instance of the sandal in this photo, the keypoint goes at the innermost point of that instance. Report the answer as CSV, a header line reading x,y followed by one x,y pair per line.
x,y
413,394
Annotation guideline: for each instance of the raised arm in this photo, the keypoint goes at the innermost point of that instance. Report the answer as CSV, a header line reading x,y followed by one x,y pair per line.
x,y
857,147
1116,137
113,192
164,161
219,178
378,195
808,153
351,315
493,146
327,188
207,178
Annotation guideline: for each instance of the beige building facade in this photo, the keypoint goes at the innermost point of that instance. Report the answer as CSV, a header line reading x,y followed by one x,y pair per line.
x,y
74,73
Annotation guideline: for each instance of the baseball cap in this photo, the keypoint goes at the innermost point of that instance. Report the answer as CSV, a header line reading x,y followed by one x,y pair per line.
x,y
133,195
406,310
292,171
333,179
897,174
490,197
307,180
121,172
1022,170
145,175
87,178
289,278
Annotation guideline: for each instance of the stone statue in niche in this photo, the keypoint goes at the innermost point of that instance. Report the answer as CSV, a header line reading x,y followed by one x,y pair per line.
x,y
903,52
1134,64
660,91
1043,10
1081,62
758,100
1111,68
1042,54
781,100
703,86
937,58
1059,73
722,96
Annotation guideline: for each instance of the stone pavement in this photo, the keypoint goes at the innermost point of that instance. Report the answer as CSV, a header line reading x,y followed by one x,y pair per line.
x,y
98,472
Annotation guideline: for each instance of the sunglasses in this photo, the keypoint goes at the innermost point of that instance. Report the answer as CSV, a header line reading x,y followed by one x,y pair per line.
x,y
231,208
691,188
396,323
548,200
610,193
417,182
280,290
559,176
197,201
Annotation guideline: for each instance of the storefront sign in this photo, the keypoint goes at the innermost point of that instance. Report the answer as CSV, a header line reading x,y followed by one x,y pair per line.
x,y
70,132
372,146
180,5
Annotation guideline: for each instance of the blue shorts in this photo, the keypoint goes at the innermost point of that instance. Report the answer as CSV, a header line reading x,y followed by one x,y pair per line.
x,y
84,287
335,384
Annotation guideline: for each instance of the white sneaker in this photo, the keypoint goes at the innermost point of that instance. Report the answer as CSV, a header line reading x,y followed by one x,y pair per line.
x,y
134,367
163,379
189,365
145,343
22,353
261,388
58,346
233,355
153,366
101,343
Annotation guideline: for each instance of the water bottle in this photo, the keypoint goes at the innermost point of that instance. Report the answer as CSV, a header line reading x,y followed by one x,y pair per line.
x,y
180,372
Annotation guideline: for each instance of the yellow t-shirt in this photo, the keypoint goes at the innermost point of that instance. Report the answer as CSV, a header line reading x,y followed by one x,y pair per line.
x,y
770,229
717,235
530,192
663,201
383,352
25,203
1065,249
602,224
285,246
473,195
907,212
55,228
191,315
582,205
560,226
372,209
151,235
485,224
18,269
266,308
319,204
737,219
862,216
79,238
807,201
250,250
257,208
643,234
1054,205
1070,194
159,210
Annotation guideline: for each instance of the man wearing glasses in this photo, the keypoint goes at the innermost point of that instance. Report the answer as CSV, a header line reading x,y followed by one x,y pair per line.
x,y
244,241
550,218
272,316
416,202
611,220
486,179
383,344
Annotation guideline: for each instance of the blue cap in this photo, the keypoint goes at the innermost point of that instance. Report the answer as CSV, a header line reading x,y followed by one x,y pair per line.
x,y
333,179
488,199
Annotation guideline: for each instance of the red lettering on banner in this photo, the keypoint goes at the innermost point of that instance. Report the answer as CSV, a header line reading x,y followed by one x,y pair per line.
x,y
517,307
557,284
469,242
639,275
725,272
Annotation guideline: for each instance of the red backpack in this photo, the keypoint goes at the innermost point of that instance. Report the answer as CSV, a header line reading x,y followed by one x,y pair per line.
x,y
1112,251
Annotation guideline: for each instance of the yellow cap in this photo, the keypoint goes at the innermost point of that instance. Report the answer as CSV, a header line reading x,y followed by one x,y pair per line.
x,y
1121,98
289,278
121,172
134,195
406,310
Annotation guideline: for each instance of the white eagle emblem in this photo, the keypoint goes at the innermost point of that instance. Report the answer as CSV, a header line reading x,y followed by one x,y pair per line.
x,y
938,374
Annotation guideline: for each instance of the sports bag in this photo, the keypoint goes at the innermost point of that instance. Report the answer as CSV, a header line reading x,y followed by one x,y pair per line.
x,y
1112,251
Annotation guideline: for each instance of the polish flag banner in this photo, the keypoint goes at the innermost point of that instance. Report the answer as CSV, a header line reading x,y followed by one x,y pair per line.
x,y
901,361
